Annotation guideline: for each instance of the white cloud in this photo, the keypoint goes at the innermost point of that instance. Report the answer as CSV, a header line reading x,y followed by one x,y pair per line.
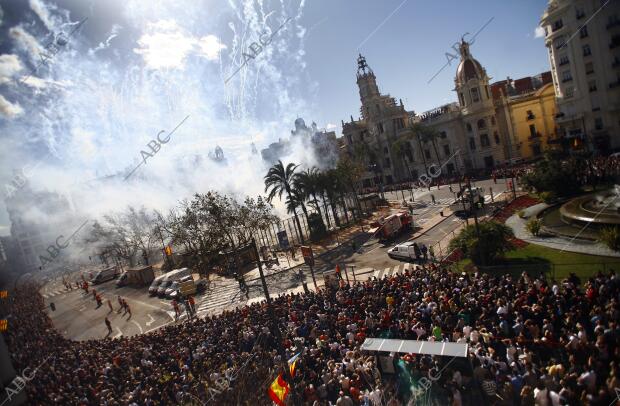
x,y
42,12
9,66
539,32
26,41
166,45
8,109
210,46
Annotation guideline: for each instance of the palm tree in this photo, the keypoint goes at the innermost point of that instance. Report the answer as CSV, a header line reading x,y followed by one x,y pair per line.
x,y
327,188
426,134
350,172
279,180
307,181
400,148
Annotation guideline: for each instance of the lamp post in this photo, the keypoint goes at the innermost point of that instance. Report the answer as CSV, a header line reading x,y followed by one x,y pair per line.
x,y
276,330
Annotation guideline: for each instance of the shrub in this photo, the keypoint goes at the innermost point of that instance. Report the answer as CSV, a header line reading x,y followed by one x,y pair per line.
x,y
521,213
534,226
317,227
553,175
491,243
610,236
547,197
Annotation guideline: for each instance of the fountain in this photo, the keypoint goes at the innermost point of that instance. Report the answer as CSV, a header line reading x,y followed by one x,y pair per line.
x,y
584,216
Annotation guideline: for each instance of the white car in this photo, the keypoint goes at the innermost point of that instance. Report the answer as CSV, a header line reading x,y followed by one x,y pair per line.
x,y
403,251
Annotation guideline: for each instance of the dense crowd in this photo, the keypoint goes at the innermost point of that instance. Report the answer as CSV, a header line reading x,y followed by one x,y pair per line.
x,y
531,342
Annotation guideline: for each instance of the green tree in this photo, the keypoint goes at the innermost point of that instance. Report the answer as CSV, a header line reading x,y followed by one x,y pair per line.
x,y
279,179
552,175
426,134
308,181
610,236
485,246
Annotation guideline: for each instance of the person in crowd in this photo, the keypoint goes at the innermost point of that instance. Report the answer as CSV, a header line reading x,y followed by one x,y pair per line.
x,y
531,341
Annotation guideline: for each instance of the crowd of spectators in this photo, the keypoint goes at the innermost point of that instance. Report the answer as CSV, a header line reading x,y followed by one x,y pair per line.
x,y
531,342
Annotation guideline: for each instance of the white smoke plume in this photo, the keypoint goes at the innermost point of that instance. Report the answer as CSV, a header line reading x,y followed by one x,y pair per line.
x,y
104,108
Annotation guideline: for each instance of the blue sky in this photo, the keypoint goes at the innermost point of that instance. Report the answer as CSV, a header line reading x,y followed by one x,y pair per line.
x,y
410,47
138,67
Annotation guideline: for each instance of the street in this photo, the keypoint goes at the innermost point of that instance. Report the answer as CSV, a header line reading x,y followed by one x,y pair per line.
x,y
77,316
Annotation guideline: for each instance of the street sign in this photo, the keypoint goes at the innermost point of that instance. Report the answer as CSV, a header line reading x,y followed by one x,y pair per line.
x,y
308,255
283,240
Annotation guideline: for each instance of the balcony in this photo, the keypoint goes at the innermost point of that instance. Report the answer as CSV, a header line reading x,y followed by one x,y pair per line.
x,y
567,80
563,62
530,116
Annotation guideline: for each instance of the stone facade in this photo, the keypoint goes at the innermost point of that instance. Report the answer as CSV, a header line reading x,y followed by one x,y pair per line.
x,y
583,39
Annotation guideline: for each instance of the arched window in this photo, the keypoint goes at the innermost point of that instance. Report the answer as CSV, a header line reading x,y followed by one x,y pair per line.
x,y
468,127
481,124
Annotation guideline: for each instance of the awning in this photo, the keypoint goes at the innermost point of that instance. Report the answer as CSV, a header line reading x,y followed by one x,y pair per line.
x,y
415,347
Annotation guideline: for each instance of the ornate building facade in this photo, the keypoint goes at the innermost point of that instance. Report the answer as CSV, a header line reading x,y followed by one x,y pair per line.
x,y
583,39
480,131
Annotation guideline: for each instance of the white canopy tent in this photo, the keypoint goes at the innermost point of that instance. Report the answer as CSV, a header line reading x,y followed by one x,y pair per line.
x,y
415,347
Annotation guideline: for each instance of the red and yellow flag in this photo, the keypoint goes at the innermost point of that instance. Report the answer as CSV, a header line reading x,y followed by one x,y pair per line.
x,y
278,391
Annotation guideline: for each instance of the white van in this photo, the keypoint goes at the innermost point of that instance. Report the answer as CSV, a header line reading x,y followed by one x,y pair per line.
x,y
105,275
155,285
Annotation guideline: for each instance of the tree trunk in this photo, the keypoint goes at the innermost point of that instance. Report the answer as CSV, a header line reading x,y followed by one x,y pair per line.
x,y
329,224
344,206
301,236
423,155
316,204
433,141
332,204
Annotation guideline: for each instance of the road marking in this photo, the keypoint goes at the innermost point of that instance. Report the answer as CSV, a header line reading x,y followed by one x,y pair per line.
x,y
120,333
81,309
155,328
148,323
139,326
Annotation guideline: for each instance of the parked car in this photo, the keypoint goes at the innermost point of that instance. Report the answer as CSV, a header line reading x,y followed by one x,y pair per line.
x,y
174,286
169,278
155,284
105,275
403,251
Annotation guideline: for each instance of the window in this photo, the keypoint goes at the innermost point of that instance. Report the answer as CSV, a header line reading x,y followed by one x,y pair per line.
x,y
472,143
486,89
481,124
468,127
443,135
586,50
496,137
563,60
598,123
568,92
492,120
579,13
613,21
532,131
589,68
583,32
461,99
475,97
380,128
427,153
484,140
399,123
349,138
386,162
536,149
530,115
377,108
446,150
592,86
557,25
385,150
558,42
566,76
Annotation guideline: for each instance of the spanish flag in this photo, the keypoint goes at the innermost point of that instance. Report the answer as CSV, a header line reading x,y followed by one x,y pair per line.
x,y
278,390
279,387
